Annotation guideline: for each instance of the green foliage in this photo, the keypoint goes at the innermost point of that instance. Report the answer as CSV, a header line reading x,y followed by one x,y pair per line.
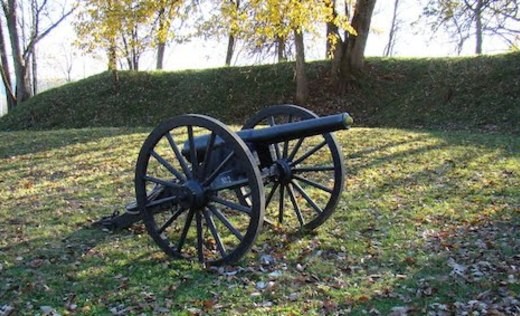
x,y
417,205
447,93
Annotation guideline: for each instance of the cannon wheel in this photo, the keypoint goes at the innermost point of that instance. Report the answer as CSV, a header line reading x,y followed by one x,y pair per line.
x,y
312,172
203,218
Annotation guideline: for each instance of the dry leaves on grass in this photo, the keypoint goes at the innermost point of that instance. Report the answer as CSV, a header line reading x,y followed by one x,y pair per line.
x,y
484,255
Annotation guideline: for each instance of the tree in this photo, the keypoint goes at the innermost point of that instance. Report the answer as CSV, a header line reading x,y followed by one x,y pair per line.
x,y
6,73
126,28
349,51
302,90
167,12
354,54
232,32
23,48
277,21
113,26
394,26
474,18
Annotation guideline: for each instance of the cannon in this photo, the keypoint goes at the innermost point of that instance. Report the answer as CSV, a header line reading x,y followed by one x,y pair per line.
x,y
205,191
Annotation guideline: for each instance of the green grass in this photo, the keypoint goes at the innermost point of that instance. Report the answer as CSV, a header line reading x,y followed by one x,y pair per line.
x,y
413,200
477,93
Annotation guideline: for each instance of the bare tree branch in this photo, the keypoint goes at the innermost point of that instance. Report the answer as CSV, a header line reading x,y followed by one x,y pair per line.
x,y
38,37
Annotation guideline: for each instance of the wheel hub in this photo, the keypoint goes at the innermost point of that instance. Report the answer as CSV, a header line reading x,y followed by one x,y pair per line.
x,y
194,195
284,171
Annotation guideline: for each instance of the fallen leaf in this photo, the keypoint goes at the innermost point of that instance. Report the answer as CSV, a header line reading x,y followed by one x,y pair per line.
x,y
329,306
208,304
400,311
36,263
6,310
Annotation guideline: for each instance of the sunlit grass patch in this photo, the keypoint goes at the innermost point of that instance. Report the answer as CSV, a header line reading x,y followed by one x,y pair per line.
x,y
412,201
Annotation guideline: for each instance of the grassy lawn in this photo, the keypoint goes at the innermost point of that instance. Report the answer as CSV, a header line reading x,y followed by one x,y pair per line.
x,y
428,223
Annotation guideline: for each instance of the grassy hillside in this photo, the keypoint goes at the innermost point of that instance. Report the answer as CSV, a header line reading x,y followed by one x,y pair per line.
x,y
428,225
448,93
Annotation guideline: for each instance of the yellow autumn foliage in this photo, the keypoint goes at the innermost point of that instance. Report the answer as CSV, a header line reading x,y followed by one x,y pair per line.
x,y
278,18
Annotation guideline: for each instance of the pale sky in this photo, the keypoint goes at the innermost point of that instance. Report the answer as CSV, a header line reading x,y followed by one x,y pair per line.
x,y
56,50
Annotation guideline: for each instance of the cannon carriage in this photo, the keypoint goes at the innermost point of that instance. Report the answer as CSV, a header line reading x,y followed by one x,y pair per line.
x,y
205,191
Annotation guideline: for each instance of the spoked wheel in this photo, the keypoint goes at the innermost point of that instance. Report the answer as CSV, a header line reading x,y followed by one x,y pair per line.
x,y
201,163
310,172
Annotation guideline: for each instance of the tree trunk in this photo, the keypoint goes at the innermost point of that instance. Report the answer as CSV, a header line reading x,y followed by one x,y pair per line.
x,y
478,22
280,49
135,51
340,47
135,60
23,84
352,60
231,39
161,38
34,66
112,58
160,55
389,48
5,73
32,49
22,55
127,54
230,49
112,65
332,31
302,89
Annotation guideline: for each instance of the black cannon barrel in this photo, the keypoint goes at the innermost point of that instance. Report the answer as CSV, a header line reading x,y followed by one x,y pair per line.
x,y
280,133
289,131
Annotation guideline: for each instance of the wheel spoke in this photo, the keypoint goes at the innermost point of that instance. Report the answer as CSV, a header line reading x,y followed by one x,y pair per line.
x,y
213,229
281,203
313,183
226,222
207,155
169,200
309,153
307,197
217,170
163,182
271,194
168,166
296,148
286,143
178,155
271,122
170,221
185,230
193,151
313,169
297,210
232,205
200,253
